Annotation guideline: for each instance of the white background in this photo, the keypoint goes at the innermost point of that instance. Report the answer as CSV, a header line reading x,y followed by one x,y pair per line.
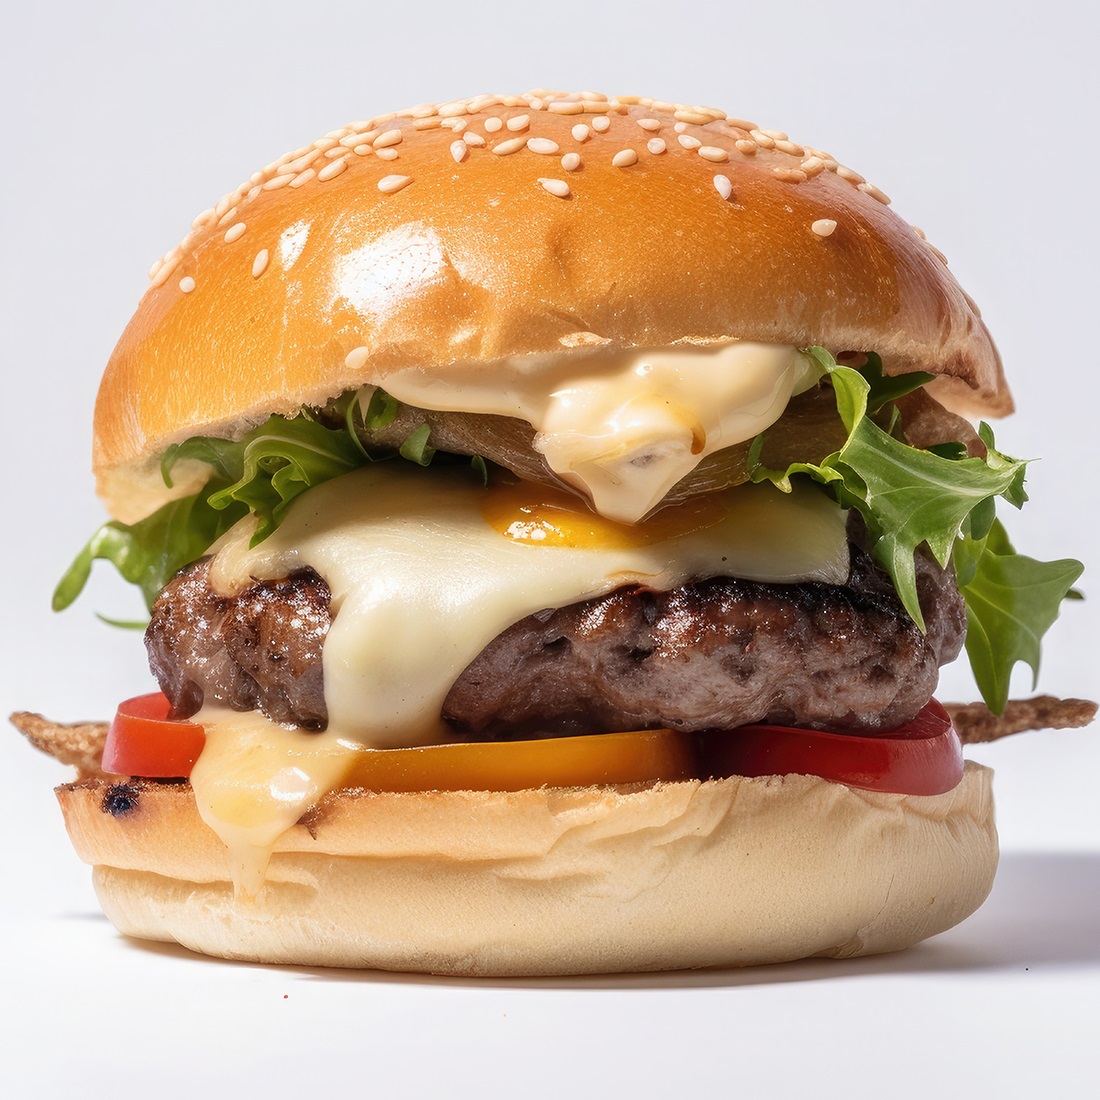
x,y
121,121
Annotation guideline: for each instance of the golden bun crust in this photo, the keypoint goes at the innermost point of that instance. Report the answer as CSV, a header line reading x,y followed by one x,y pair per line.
x,y
726,872
454,234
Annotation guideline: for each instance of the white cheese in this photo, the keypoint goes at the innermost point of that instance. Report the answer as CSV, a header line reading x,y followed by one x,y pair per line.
x,y
427,567
625,426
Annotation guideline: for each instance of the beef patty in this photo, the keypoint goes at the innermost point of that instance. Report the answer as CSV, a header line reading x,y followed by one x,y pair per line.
x,y
258,650
713,654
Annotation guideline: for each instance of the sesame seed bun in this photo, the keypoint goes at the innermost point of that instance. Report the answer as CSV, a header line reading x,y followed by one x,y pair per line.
x,y
552,882
476,231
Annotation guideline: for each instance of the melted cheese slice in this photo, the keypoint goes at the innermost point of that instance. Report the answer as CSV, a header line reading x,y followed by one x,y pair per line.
x,y
425,571
624,427
254,779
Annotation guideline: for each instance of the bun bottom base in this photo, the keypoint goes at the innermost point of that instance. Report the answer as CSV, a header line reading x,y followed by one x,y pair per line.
x,y
730,872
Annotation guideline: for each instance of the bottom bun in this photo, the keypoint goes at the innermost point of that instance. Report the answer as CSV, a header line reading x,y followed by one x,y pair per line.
x,y
727,872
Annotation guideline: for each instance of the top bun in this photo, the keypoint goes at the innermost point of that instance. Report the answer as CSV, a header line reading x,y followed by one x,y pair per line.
x,y
482,229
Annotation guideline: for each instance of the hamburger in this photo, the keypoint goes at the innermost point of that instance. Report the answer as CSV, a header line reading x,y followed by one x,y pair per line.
x,y
553,513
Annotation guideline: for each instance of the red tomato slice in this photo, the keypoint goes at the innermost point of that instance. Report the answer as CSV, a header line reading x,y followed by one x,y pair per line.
x,y
922,757
144,741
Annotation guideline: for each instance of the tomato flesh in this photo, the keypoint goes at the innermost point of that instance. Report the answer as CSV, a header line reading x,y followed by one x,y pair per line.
x,y
144,741
923,756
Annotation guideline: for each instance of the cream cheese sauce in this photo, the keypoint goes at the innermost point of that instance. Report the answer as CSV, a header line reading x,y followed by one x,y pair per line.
x,y
625,426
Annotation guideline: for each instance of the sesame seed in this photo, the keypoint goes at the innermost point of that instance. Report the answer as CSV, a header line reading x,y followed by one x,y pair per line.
x,y
680,127
847,174
571,162
580,132
785,146
335,151
765,141
233,232
695,117
324,143
512,145
745,146
565,107
165,271
823,227
187,284
812,166
542,145
519,122
875,193
363,150
791,175
158,264
723,186
650,124
601,123
460,151
776,135
300,164
279,181
204,218
228,216
332,169
389,184
259,264
656,145
713,153
223,204
556,187
455,125
356,359
303,177
476,140
450,110
624,158
385,140
388,153
492,124
689,142
919,232
427,124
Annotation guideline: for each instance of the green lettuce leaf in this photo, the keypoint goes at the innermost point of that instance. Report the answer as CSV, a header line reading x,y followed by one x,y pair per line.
x,y
907,497
148,553
262,473
946,501
270,466
1011,601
